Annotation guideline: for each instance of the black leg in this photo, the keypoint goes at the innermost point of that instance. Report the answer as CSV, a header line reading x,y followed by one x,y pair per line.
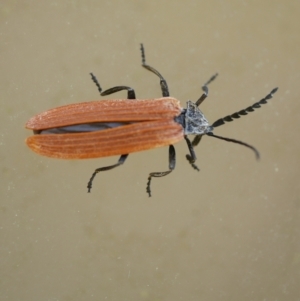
x,y
95,80
192,156
197,140
130,95
172,162
205,90
163,83
130,91
120,162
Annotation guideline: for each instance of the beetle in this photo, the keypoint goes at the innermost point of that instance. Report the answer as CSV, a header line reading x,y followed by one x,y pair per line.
x,y
121,126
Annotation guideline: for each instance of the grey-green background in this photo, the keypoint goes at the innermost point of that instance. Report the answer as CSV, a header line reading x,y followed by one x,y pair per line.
x,y
229,232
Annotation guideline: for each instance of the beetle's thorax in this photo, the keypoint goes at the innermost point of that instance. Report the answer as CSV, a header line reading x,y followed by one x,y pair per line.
x,y
195,121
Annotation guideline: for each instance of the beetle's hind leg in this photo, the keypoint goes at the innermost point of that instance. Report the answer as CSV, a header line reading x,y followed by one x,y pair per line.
x,y
163,82
120,162
95,80
172,163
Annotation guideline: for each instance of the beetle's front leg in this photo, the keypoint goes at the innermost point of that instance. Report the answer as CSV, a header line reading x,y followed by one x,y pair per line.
x,y
172,163
192,156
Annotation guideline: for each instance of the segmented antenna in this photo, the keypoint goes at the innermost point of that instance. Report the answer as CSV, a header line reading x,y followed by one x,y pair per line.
x,y
236,115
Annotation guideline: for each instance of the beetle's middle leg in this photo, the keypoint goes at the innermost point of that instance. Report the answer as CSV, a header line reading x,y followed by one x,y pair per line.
x,y
120,162
172,163
130,95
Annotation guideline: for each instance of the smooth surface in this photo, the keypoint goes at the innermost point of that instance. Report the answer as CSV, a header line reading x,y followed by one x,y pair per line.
x,y
228,232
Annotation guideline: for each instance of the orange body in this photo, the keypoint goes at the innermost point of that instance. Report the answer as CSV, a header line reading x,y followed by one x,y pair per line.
x,y
147,124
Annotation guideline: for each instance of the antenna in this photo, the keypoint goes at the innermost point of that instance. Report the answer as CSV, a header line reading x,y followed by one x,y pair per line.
x,y
236,141
236,115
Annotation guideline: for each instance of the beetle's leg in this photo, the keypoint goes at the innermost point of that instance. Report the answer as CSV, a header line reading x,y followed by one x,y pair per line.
x,y
172,162
199,101
130,95
163,83
95,80
130,91
120,162
192,156
196,140
205,90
